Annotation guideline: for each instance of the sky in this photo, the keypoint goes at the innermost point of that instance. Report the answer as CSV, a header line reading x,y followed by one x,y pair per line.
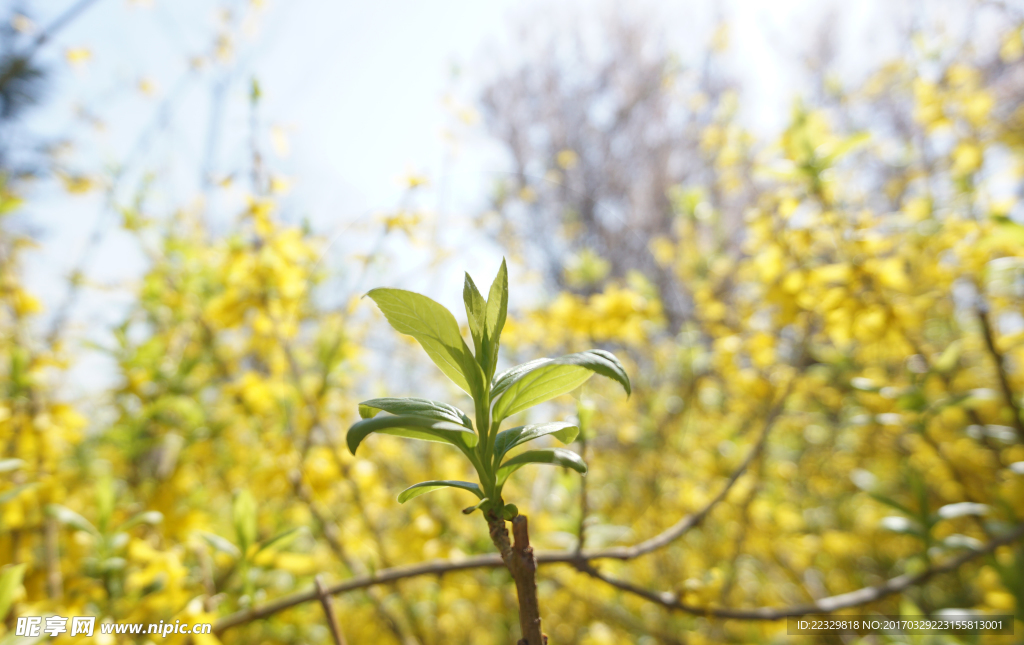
x,y
357,90
355,96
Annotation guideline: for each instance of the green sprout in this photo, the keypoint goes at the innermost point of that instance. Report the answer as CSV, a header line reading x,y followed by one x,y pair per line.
x,y
495,398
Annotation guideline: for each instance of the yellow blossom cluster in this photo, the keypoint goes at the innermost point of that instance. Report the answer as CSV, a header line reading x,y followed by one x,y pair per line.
x,y
618,314
871,340
833,398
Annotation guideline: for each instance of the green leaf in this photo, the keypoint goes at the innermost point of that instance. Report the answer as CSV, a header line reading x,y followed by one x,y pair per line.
x,y
146,517
497,311
547,378
412,427
475,377
552,456
476,311
960,509
221,544
487,318
914,400
949,358
900,524
10,580
281,540
105,499
504,380
508,439
243,515
433,326
420,407
482,504
847,145
890,502
7,465
119,540
68,517
423,488
113,564
1008,229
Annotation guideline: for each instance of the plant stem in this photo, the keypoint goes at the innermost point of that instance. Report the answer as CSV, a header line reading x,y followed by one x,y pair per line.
x,y
54,580
522,565
328,605
1001,373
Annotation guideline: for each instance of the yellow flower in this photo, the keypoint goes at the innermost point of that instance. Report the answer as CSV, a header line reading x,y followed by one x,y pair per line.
x,y
567,159
967,158
77,56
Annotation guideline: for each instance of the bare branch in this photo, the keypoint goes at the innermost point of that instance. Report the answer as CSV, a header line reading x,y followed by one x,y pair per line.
x,y
54,579
524,569
581,530
328,605
383,576
329,528
676,531
997,357
824,605
62,21
438,567
620,614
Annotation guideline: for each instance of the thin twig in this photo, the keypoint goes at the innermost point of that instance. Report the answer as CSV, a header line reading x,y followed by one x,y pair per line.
x,y
62,21
62,312
741,536
328,605
54,579
384,576
581,530
824,605
676,531
208,580
439,567
328,528
997,357
620,614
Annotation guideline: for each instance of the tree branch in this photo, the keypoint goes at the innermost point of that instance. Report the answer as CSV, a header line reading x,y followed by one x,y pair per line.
x,y
676,531
621,615
581,529
524,569
59,23
822,606
328,605
54,579
997,357
329,528
522,565
438,567
383,576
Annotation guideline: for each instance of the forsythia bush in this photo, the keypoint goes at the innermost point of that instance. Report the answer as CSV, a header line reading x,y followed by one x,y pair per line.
x,y
862,367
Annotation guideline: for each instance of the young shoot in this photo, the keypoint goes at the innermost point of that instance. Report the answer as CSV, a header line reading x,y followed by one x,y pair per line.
x,y
495,397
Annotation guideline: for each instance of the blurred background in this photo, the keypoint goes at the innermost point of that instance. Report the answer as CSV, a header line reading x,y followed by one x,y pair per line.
x,y
800,225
